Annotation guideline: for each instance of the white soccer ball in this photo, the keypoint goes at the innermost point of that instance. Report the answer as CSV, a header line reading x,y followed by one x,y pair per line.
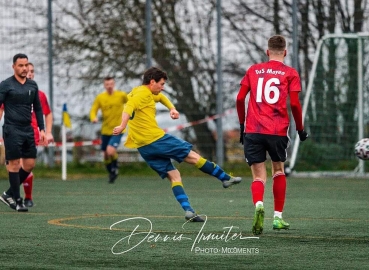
x,y
362,149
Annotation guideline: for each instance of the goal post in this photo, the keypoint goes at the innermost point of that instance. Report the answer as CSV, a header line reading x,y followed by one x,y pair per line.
x,y
330,116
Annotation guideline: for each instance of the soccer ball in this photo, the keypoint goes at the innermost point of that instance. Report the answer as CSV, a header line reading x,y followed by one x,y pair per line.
x,y
362,149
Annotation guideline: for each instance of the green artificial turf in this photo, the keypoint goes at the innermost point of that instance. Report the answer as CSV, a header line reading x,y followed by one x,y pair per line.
x,y
69,226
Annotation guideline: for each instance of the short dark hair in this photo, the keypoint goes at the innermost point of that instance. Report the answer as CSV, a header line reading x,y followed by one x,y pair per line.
x,y
277,43
19,55
108,78
31,64
155,74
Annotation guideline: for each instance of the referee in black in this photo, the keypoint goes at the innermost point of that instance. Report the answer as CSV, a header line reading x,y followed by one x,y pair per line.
x,y
19,96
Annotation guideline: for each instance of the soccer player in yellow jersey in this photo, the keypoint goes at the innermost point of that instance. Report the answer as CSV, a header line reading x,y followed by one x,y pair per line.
x,y
158,148
111,103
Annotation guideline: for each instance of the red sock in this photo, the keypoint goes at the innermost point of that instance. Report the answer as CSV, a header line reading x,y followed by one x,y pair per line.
x,y
257,190
27,186
279,191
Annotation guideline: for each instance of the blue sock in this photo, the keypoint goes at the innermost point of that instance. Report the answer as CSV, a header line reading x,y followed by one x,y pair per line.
x,y
181,196
212,169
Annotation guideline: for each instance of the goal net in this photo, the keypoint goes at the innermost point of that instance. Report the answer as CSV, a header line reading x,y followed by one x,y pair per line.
x,y
335,108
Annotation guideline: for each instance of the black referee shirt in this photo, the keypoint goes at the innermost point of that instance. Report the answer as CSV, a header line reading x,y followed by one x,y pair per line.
x,y
19,100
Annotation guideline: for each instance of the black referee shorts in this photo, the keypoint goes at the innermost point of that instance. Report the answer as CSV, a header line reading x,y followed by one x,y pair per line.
x,y
257,145
19,142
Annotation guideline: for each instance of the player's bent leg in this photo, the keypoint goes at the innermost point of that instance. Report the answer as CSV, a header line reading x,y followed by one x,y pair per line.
x,y
232,181
181,196
212,169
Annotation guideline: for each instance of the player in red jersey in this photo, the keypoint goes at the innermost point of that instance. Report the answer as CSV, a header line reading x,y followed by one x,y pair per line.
x,y
28,183
269,85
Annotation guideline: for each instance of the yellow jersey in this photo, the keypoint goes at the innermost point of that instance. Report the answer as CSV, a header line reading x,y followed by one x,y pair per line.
x,y
111,107
143,128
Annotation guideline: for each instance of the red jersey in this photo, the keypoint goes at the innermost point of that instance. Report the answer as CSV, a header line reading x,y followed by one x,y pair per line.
x,y
45,110
269,85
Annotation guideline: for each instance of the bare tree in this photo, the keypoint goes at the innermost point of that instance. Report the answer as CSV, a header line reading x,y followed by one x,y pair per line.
x,y
95,38
334,97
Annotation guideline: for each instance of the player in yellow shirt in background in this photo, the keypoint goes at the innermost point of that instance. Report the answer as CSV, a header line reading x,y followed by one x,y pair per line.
x,y
111,103
158,148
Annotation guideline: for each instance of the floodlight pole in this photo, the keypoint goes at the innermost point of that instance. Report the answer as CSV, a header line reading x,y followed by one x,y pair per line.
x,y
220,143
148,34
295,47
360,97
51,72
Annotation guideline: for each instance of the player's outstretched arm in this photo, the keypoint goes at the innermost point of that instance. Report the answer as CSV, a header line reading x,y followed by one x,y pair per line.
x,y
163,99
174,114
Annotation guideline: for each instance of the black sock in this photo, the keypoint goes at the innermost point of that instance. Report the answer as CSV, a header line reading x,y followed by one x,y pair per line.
x,y
108,167
114,165
23,175
14,189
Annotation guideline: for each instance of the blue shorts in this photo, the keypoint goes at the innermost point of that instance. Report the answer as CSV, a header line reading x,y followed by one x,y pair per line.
x,y
160,153
112,140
